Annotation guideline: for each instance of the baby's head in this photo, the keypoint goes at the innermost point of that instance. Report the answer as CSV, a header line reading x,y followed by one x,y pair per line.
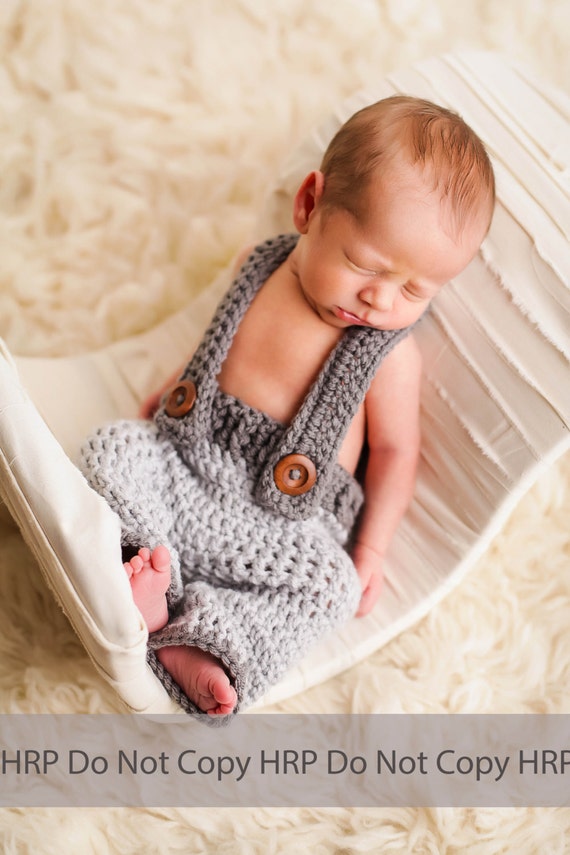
x,y
400,205
403,131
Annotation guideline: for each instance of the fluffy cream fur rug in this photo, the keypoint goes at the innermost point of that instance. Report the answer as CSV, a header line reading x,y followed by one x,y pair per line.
x,y
136,142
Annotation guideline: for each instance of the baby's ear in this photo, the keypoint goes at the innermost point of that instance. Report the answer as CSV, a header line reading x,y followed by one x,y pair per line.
x,y
306,200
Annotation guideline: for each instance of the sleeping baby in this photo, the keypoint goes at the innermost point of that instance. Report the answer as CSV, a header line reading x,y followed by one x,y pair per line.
x,y
258,504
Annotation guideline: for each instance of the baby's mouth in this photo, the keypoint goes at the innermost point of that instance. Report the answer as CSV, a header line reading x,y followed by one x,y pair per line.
x,y
349,317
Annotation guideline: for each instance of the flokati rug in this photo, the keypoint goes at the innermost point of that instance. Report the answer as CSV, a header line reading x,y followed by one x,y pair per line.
x,y
138,140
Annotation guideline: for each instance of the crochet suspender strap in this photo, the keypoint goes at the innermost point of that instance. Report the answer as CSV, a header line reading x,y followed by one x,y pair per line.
x,y
318,429
209,357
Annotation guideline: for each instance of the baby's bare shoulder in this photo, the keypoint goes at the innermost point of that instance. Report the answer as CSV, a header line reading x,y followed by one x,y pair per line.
x,y
402,365
392,402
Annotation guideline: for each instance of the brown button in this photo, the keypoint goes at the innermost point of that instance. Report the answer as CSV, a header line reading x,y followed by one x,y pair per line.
x,y
295,474
180,399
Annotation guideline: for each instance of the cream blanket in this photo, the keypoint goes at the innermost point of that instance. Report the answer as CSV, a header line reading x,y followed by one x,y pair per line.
x,y
137,142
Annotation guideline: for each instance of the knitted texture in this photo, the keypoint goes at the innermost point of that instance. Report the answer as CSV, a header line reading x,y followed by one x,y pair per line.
x,y
258,576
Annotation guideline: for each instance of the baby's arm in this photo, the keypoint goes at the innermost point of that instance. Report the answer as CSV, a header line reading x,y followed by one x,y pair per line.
x,y
393,432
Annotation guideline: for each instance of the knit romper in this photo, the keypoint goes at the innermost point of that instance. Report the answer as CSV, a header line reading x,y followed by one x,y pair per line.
x,y
260,568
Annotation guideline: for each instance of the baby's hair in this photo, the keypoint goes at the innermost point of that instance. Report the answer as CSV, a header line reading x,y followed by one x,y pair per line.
x,y
425,133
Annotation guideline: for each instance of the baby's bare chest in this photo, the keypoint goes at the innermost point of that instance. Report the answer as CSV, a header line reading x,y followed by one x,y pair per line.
x,y
272,367
275,357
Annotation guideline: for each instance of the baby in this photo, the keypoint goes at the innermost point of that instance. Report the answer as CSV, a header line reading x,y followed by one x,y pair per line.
x,y
247,534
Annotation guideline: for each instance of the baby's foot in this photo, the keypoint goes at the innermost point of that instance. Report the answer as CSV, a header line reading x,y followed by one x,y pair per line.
x,y
201,676
149,575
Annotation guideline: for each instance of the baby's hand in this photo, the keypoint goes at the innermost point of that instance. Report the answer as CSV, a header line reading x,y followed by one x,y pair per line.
x,y
151,404
149,407
368,565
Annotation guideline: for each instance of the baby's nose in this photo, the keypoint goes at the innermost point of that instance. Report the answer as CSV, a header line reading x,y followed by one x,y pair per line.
x,y
380,296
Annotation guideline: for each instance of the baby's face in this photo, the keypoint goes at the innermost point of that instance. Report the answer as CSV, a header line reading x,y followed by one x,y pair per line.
x,y
383,268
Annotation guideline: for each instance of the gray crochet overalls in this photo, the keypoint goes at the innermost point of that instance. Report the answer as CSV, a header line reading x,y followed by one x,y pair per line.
x,y
257,515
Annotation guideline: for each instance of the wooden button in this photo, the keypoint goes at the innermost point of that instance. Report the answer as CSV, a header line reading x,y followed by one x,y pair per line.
x,y
295,474
180,399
